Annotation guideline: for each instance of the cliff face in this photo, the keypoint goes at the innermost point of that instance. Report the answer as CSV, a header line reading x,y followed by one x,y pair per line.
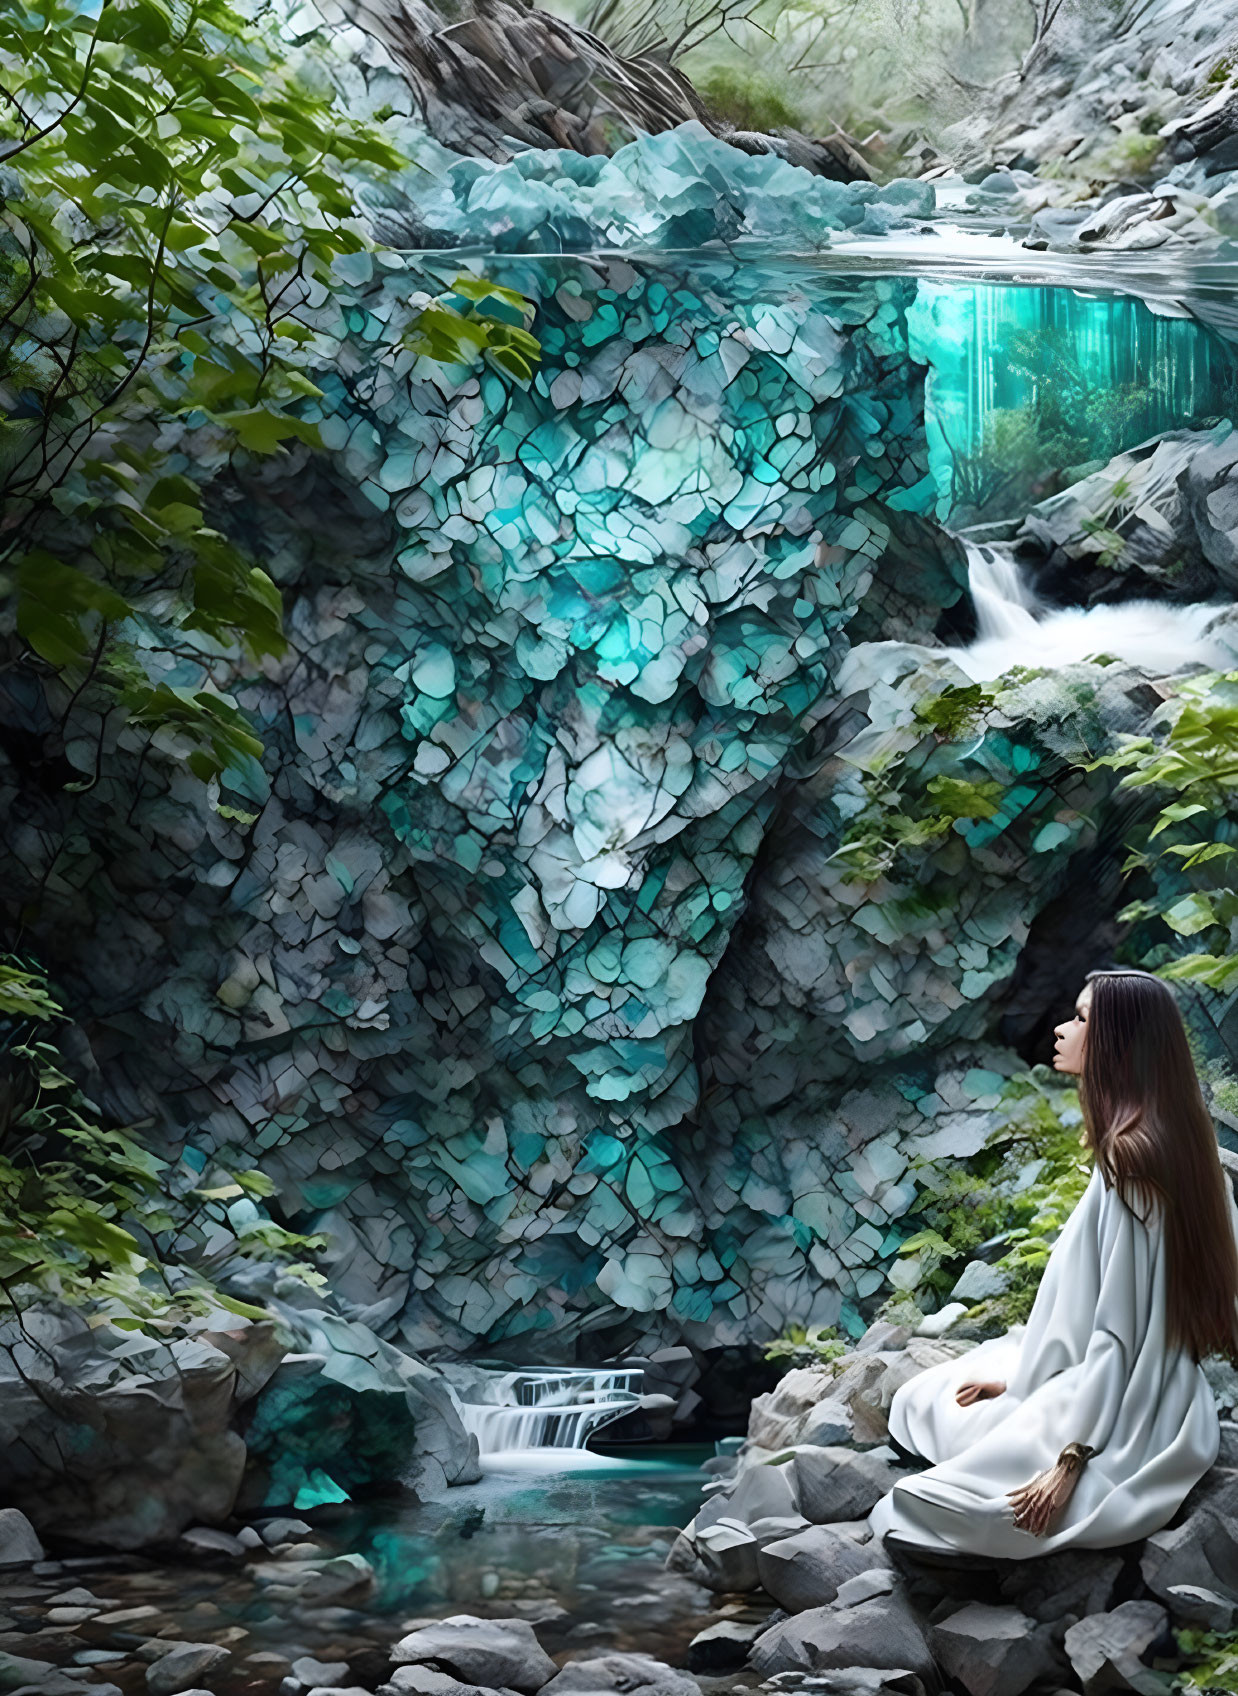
x,y
1116,95
527,962
493,77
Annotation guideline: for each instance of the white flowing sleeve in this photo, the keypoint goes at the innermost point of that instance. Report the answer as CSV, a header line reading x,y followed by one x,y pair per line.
x,y
1099,1334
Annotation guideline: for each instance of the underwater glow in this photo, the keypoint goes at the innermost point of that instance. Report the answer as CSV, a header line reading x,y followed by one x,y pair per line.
x,y
1022,376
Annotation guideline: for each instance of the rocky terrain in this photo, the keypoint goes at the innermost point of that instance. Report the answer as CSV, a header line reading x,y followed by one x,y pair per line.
x,y
787,1520
792,1594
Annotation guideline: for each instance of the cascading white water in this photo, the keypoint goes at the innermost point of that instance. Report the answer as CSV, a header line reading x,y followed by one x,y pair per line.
x,y
1015,627
549,1410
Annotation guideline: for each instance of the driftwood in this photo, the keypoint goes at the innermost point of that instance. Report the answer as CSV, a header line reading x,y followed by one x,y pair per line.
x,y
492,77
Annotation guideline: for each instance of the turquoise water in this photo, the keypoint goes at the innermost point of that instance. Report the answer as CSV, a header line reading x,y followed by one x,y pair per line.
x,y
580,1550
1028,382
577,1551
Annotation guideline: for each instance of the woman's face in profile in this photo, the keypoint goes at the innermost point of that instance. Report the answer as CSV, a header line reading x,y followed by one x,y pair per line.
x,y
1072,1036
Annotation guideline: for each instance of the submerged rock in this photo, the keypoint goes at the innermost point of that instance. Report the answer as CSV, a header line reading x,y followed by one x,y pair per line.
x,y
21,1672
183,1665
852,1681
620,1673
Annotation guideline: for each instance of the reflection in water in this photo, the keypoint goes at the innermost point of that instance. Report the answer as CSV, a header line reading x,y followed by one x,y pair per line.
x,y
578,1552
576,1544
1017,628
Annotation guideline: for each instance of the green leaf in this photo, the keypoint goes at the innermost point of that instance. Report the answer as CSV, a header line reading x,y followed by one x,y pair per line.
x,y
102,1240
56,601
245,1309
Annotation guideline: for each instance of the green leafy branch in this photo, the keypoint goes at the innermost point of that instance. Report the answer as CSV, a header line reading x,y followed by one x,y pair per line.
x,y
176,189
981,1198
87,1213
1193,756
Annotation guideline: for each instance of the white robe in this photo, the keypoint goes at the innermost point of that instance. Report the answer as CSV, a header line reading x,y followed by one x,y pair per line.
x,y
1091,1365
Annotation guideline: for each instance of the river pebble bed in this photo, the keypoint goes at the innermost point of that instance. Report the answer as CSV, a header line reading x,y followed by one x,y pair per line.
x,y
575,1547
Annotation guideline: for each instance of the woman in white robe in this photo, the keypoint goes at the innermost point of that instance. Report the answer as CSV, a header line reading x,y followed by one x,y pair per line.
x,y
1088,1425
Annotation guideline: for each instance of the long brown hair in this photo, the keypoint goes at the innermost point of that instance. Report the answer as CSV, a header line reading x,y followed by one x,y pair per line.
x,y
1151,1134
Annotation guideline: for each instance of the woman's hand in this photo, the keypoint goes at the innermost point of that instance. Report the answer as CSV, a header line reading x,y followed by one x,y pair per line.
x,y
1039,1504
966,1394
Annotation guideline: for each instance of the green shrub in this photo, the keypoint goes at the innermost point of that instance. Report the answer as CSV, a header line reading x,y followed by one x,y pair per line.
x,y
817,1345
1215,1654
977,1198
747,99
91,1217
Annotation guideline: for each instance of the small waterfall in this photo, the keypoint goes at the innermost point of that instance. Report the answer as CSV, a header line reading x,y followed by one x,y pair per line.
x,y
1015,627
558,1409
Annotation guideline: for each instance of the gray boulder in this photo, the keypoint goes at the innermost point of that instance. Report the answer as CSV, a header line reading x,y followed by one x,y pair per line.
x,y
867,1681
1068,1582
1193,1605
1203,1550
209,1540
485,1651
112,1437
431,1681
775,1527
777,1419
184,1666
727,1552
884,1334
765,1491
282,1530
827,1424
837,1483
1104,1649
1227,1454
877,1581
347,1394
805,1571
320,1675
616,1672
978,1281
859,1388
19,1542
1173,531
993,1651
883,1633
724,1647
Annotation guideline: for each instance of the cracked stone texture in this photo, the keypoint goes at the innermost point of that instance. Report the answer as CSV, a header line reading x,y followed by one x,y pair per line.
x,y
530,980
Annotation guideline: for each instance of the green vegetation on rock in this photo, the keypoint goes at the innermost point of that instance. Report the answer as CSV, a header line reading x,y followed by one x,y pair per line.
x,y
175,191
1185,856
91,1217
1020,1187
811,1345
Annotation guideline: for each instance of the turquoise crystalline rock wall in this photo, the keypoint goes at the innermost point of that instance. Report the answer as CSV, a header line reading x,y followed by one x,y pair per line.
x,y
463,976
606,612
